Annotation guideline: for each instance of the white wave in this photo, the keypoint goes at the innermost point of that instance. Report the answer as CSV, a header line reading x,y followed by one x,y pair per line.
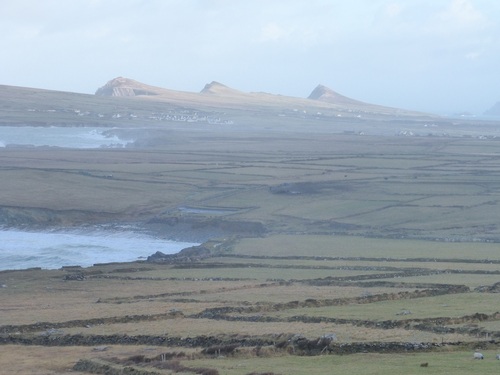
x,y
71,137
20,249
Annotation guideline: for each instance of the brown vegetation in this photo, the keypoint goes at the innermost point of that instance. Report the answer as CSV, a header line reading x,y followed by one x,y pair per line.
x,y
316,240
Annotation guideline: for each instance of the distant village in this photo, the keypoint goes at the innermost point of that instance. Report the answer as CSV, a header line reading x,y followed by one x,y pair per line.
x,y
218,118
188,116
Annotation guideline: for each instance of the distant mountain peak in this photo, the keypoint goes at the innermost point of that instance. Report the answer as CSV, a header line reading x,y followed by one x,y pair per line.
x,y
217,88
325,94
121,81
218,95
320,91
121,86
493,111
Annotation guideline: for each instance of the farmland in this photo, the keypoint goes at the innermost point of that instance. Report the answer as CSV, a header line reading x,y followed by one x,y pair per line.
x,y
322,249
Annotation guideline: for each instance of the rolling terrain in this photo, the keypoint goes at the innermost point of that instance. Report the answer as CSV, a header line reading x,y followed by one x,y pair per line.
x,y
336,236
124,102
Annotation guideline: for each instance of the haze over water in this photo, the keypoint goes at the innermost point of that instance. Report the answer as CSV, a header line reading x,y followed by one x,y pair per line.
x,y
70,137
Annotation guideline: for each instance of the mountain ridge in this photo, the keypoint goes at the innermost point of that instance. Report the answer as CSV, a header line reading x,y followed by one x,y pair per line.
x,y
216,94
217,88
325,94
124,98
121,86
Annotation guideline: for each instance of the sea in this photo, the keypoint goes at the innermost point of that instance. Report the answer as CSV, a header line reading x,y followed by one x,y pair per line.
x,y
20,249
54,249
68,137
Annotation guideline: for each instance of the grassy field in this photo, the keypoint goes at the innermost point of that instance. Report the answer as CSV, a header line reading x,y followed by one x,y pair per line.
x,y
386,247
57,360
255,305
269,180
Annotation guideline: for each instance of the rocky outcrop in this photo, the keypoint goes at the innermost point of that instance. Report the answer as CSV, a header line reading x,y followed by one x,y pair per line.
x,y
190,254
101,367
324,94
125,87
216,88
495,288
294,344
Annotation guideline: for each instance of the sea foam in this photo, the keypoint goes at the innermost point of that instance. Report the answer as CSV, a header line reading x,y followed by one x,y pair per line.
x,y
52,250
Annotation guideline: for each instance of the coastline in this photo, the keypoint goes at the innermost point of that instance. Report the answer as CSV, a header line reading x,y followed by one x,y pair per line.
x,y
84,246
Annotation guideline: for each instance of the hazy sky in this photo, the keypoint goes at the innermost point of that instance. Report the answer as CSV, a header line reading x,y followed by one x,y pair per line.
x,y
440,56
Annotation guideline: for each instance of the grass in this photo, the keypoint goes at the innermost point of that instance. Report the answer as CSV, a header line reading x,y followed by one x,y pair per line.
x,y
57,360
439,363
352,247
195,327
283,294
355,206
472,281
262,273
46,360
347,184
455,305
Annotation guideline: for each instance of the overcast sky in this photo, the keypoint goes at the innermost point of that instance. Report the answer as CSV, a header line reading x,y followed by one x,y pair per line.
x,y
440,56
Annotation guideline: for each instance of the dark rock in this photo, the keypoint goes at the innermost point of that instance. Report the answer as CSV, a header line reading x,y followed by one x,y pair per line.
x,y
74,277
188,254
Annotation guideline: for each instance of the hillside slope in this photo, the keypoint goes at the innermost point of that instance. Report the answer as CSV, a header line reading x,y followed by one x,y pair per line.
x,y
124,102
218,95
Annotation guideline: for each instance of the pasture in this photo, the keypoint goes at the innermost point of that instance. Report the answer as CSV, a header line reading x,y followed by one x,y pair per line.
x,y
326,252
265,313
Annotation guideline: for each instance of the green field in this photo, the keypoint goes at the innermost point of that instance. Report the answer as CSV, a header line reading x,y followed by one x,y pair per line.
x,y
386,245
254,304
